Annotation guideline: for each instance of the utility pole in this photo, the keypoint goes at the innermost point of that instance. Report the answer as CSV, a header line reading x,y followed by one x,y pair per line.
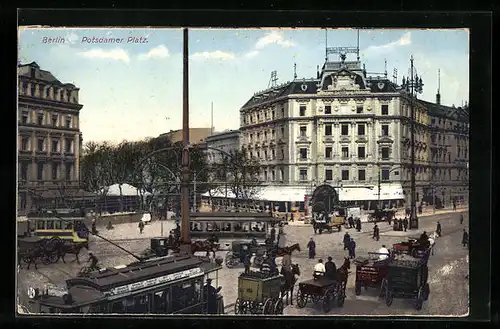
x,y
185,178
379,179
194,191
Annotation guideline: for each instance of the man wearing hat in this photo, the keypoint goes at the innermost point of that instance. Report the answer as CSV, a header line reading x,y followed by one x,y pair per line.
x,y
211,297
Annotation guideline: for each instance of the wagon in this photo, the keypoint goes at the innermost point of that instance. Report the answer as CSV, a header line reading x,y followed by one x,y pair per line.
x,y
259,293
29,246
406,278
235,255
411,247
370,271
379,215
324,290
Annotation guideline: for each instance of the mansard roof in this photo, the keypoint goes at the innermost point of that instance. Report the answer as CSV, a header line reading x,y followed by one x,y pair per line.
x,y
24,70
449,112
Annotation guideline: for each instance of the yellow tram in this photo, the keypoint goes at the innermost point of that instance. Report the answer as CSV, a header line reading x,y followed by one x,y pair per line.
x,y
65,224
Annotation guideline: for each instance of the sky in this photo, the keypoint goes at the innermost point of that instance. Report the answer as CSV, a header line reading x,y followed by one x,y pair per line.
x,y
133,90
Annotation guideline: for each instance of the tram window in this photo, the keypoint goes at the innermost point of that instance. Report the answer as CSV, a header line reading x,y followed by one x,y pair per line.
x,y
246,227
161,242
185,295
69,226
118,307
99,308
50,225
160,302
238,227
226,227
58,225
40,225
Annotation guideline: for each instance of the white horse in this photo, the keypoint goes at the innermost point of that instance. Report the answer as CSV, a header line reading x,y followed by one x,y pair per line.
x,y
432,240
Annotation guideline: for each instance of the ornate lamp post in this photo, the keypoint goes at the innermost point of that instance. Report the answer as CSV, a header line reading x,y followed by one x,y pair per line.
x,y
413,86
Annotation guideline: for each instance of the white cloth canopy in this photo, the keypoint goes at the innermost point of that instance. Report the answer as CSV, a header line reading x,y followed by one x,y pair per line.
x,y
127,190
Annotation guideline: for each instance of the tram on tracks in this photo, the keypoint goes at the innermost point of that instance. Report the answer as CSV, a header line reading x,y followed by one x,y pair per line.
x,y
165,285
231,224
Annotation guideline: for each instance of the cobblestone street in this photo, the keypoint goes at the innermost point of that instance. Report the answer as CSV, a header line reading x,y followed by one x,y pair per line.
x,y
448,266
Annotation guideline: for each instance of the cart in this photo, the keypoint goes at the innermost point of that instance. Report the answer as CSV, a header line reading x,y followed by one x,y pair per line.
x,y
235,256
324,290
159,247
406,278
380,215
370,271
411,247
328,223
259,293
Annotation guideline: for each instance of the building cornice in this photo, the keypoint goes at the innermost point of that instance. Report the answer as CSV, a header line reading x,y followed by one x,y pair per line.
x,y
60,106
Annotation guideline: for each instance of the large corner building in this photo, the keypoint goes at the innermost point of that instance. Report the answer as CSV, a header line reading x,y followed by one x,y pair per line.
x,y
49,138
352,131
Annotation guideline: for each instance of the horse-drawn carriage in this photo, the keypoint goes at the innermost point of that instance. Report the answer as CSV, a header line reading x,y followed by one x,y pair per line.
x,y
412,247
406,278
159,247
32,248
238,250
324,222
370,271
259,293
379,215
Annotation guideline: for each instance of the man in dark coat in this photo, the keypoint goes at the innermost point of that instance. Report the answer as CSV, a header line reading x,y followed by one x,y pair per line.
x,y
405,223
246,262
376,233
438,228
352,249
210,297
400,224
350,221
461,218
273,234
330,269
311,245
93,261
347,239
465,238
358,224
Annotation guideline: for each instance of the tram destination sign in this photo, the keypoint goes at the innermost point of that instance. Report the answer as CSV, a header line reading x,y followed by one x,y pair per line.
x,y
154,281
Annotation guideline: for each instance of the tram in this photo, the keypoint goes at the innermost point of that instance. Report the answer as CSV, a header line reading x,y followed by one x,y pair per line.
x,y
65,224
165,285
231,224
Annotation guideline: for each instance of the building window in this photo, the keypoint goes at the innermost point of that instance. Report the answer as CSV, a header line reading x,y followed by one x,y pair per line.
x,y
54,120
283,132
40,145
68,171
265,155
303,153
328,174
361,152
273,115
303,131
33,89
39,171
24,143
54,171
273,175
303,174
361,129
265,175
385,153
55,146
302,110
359,109
433,121
47,92
344,130
385,109
68,145
24,118
385,130
282,154
282,174
328,152
361,174
345,152
40,119
24,171
282,112
328,130
385,174
273,154
258,154
345,174
328,109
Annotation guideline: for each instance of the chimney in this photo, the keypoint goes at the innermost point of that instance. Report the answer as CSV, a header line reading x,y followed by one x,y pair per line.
x,y
317,71
438,95
438,99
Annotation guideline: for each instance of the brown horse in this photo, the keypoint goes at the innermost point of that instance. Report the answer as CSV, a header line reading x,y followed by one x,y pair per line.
x,y
73,248
289,282
343,272
204,245
287,250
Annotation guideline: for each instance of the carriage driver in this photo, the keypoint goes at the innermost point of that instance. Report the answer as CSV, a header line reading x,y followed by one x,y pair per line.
x,y
384,253
93,261
319,269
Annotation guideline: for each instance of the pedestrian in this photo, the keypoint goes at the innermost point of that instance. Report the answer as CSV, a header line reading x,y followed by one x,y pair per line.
x,y
438,229
141,226
350,221
286,217
311,245
246,262
352,249
461,218
291,217
358,224
211,297
383,253
94,228
376,233
405,223
465,238
330,269
400,224
454,205
347,239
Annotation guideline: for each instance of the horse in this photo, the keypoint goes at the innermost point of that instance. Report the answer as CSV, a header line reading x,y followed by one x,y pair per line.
x,y
289,282
343,272
206,245
74,248
287,250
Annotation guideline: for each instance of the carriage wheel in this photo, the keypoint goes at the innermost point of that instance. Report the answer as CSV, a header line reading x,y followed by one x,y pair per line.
x,y
258,261
237,306
388,297
340,295
268,306
426,291
53,257
278,306
327,301
301,299
420,299
383,288
357,288
315,299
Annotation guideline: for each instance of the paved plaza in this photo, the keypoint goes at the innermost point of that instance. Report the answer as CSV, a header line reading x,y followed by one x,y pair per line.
x,y
448,267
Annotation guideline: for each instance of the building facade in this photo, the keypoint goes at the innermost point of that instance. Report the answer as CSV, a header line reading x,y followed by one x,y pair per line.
x,y
196,135
226,141
343,128
49,137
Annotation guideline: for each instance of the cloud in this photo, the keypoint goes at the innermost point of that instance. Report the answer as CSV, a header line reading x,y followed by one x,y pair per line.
x,y
157,52
220,55
273,37
115,54
72,37
252,53
403,41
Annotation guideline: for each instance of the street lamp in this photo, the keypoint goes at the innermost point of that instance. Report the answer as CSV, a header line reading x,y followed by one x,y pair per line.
x,y
413,85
